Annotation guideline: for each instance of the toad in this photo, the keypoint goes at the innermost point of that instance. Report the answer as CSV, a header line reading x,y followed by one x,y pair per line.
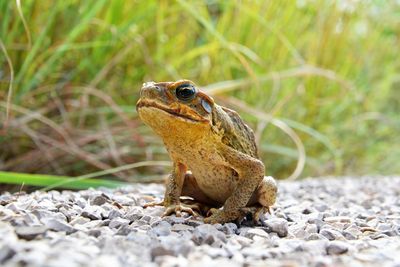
x,y
216,168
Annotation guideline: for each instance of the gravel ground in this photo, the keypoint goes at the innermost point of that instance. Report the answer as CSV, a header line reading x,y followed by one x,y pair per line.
x,y
316,222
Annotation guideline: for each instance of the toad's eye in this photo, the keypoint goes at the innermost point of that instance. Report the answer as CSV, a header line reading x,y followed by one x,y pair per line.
x,y
185,92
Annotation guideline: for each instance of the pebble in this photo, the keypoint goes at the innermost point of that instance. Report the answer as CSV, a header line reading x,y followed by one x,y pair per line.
x,y
277,225
161,251
336,248
162,229
99,200
256,232
30,232
181,227
207,234
92,212
6,253
342,219
315,222
58,225
331,234
228,228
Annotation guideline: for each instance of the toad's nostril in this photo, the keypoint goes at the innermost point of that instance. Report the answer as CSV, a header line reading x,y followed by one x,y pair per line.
x,y
146,87
147,84
150,90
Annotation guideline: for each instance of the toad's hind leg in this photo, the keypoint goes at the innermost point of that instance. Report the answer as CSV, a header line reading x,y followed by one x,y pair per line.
x,y
200,201
263,198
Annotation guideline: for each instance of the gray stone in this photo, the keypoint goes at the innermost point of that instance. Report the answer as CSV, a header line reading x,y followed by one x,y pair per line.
x,y
315,236
41,213
124,200
181,227
349,235
391,233
30,232
378,236
207,234
146,218
6,198
176,244
92,212
79,220
228,228
173,219
331,234
118,222
57,225
313,247
298,231
162,229
256,232
6,253
318,222
321,207
256,253
161,251
341,219
352,232
193,223
140,238
383,227
94,232
242,240
133,215
277,225
336,248
311,229
125,230
116,214
99,200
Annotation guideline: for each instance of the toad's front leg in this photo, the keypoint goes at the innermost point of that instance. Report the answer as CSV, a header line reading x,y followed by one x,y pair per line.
x,y
173,192
251,172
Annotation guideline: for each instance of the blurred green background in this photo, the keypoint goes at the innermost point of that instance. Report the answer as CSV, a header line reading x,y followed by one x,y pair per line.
x,y
318,81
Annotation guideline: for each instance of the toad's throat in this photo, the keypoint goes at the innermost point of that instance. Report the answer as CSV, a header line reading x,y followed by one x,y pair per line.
x,y
177,112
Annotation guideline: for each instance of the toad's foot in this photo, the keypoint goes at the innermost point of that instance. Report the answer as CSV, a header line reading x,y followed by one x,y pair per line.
x,y
153,204
223,216
257,212
192,209
199,207
181,207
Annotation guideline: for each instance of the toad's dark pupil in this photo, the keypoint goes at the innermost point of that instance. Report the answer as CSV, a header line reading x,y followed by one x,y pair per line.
x,y
185,92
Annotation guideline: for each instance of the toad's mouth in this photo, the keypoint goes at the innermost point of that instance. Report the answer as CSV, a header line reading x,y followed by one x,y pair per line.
x,y
183,113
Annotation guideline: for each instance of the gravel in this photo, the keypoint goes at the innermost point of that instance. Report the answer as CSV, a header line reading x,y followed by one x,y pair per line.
x,y
315,222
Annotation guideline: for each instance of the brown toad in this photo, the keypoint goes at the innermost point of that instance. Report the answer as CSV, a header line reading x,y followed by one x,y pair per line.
x,y
215,159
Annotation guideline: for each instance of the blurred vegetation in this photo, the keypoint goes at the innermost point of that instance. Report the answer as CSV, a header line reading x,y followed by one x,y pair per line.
x,y
319,82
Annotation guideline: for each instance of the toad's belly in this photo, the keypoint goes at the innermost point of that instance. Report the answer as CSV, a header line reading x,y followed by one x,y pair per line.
x,y
217,182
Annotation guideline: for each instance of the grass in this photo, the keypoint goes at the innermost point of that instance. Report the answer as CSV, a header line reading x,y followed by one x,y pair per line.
x,y
52,181
317,81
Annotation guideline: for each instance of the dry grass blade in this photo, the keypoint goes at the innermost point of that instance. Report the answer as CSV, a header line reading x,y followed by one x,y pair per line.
x,y
109,101
60,130
110,141
21,15
10,85
302,71
88,157
34,158
114,61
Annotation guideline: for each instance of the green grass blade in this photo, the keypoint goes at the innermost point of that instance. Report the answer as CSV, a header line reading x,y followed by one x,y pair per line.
x,y
89,12
49,180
